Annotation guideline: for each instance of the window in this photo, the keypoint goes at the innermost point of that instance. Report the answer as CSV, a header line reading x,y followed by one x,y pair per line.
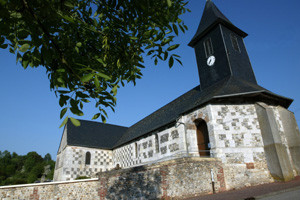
x,y
235,43
208,47
156,143
136,150
88,158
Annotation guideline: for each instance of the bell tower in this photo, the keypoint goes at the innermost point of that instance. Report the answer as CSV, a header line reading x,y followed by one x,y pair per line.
x,y
220,49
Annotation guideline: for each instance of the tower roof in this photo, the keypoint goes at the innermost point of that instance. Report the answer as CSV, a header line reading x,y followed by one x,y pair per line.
x,y
211,17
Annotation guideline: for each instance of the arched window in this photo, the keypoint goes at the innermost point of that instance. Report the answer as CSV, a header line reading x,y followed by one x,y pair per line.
x,y
202,138
88,158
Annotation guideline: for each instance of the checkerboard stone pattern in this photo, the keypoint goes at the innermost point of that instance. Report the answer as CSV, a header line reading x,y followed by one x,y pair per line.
x,y
74,162
156,146
237,132
126,156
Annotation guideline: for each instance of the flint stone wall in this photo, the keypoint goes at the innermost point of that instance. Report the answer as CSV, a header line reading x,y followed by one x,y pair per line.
x,y
67,190
177,178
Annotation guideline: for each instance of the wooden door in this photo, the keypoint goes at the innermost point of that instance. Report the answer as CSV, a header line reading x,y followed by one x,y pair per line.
x,y
203,139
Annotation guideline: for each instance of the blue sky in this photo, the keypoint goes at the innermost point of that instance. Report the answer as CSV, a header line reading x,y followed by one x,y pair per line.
x,y
29,117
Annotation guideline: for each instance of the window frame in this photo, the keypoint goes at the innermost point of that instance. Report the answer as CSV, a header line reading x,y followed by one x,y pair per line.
x,y
235,42
88,156
208,47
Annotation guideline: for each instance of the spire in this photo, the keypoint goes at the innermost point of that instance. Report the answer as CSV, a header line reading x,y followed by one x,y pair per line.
x,y
210,18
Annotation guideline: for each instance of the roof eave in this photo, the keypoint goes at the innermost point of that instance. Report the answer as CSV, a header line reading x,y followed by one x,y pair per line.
x,y
232,27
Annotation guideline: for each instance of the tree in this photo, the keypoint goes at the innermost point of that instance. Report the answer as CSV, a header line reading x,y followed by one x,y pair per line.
x,y
47,157
90,47
16,169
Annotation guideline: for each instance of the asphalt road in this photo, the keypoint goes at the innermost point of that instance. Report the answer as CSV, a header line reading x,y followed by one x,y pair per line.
x,y
272,191
286,195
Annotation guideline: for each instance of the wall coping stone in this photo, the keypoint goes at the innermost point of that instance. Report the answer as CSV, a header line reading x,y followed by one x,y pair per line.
x,y
49,183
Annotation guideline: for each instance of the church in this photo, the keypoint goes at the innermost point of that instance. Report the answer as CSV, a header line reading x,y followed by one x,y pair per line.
x,y
228,116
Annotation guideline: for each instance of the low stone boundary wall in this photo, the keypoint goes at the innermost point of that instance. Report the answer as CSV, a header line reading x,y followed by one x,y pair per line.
x,y
170,179
79,189
178,178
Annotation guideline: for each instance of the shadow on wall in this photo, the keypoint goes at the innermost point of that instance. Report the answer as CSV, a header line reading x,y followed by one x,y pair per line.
x,y
134,183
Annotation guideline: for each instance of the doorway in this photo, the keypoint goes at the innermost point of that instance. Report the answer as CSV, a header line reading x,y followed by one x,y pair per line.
x,y
202,138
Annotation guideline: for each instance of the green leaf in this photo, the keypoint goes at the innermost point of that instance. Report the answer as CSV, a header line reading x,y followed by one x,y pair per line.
x,y
175,46
103,75
75,121
101,61
171,61
169,3
63,112
76,49
96,81
166,55
3,46
79,44
96,116
64,122
3,2
134,38
114,90
24,47
60,80
103,118
60,70
68,4
67,18
62,100
25,63
155,61
178,61
140,65
175,29
87,78
182,28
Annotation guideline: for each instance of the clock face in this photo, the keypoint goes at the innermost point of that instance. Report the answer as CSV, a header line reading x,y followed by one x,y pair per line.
x,y
211,61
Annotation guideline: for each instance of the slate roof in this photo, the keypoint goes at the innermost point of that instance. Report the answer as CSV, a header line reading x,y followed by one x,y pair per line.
x,y
210,18
94,134
226,89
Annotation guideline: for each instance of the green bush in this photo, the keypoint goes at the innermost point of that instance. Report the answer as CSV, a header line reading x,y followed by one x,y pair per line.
x,y
82,177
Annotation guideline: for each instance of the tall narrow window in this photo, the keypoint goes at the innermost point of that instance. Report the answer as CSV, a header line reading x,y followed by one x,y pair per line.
x,y
156,143
88,158
208,47
235,43
136,150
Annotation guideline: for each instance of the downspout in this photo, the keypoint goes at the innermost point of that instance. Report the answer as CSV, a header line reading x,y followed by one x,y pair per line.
x,y
212,181
185,134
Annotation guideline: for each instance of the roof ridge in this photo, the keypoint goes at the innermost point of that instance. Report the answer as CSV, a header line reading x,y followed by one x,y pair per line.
x,y
102,123
176,99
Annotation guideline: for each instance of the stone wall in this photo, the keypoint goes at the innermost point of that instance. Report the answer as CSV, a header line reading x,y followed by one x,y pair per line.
x,y
177,179
70,163
281,140
83,189
160,145
235,138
